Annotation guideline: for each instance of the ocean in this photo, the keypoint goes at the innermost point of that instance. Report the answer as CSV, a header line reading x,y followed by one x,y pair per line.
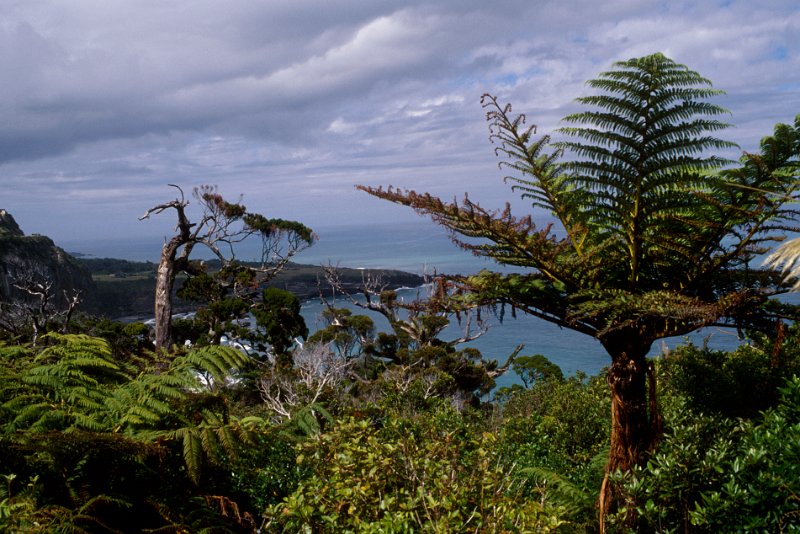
x,y
423,247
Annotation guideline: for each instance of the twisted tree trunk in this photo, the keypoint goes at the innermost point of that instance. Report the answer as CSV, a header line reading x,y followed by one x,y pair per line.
x,y
165,281
169,264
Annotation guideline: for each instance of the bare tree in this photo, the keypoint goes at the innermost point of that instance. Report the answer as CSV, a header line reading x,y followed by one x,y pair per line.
x,y
317,369
39,307
220,227
422,319
419,324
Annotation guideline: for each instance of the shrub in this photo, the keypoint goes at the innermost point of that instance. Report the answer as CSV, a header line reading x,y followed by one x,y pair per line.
x,y
740,383
556,433
430,474
713,474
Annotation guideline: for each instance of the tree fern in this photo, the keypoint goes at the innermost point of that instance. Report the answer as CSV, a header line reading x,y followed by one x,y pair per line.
x,y
75,384
641,154
66,385
658,237
212,439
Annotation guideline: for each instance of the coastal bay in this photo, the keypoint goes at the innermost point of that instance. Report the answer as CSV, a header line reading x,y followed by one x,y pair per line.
x,y
407,251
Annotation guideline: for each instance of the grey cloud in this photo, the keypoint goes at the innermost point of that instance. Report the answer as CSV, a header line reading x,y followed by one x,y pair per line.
x,y
267,97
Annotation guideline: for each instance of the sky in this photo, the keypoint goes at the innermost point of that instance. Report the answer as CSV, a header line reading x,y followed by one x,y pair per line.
x,y
291,103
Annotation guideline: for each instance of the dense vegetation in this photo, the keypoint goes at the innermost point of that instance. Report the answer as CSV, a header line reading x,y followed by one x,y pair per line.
x,y
99,434
106,427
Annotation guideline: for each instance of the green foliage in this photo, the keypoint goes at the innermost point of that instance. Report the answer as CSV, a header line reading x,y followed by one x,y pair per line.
x,y
220,312
563,423
16,509
83,478
201,288
75,384
278,315
412,354
92,442
638,158
352,335
212,439
536,368
267,471
740,383
190,329
63,387
272,227
433,474
556,433
722,475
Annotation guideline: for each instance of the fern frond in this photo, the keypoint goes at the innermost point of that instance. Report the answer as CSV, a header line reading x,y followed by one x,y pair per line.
x,y
192,452
220,362
562,490
86,422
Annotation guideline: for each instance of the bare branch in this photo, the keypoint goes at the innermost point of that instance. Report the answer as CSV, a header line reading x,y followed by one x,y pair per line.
x,y
316,370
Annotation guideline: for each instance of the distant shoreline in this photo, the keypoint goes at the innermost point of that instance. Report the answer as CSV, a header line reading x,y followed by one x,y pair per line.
x,y
124,289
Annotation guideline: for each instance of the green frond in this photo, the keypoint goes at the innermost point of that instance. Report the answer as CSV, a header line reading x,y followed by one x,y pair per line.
x,y
208,439
227,439
88,422
648,134
139,415
28,411
75,345
561,489
252,422
218,361
210,418
213,439
50,419
9,353
192,453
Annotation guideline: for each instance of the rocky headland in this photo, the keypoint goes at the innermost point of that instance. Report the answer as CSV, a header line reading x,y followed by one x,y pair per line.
x,y
117,288
30,259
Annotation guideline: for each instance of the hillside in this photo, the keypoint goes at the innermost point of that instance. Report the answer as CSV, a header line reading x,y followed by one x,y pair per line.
x,y
26,259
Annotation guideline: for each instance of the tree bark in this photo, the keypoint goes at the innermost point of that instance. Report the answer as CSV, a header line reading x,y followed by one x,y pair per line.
x,y
635,422
169,265
165,281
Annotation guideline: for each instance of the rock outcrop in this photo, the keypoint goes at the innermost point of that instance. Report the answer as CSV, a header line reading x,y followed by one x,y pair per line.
x,y
8,226
37,257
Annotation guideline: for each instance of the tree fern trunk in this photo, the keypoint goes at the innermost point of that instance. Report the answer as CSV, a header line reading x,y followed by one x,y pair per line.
x,y
635,425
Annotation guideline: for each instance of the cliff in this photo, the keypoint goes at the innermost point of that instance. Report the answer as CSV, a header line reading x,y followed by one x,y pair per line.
x,y
38,257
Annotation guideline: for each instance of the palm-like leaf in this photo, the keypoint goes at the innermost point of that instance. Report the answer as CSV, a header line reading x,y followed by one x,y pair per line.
x,y
658,240
787,259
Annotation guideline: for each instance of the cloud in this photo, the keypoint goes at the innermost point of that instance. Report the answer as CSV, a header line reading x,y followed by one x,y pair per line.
x,y
293,102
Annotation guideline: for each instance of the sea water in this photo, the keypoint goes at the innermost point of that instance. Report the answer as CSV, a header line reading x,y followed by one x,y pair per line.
x,y
424,248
